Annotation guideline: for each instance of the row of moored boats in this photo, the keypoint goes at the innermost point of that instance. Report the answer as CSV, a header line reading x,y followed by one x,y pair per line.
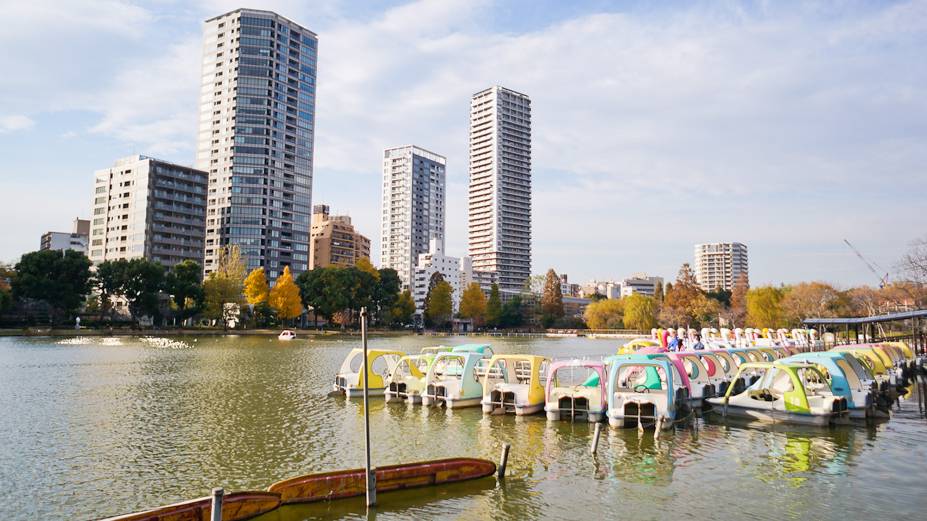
x,y
644,384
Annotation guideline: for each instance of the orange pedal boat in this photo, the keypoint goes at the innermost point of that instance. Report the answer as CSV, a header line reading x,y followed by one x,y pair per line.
x,y
350,483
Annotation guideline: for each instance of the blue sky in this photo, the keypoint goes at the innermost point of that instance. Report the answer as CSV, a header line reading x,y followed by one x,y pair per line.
x,y
786,126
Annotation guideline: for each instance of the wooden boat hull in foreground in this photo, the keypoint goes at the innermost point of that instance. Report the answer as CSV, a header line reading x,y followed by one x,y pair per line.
x,y
235,506
351,483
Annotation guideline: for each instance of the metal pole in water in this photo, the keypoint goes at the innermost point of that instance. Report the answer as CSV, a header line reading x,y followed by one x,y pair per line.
x,y
504,460
371,476
595,437
920,394
216,506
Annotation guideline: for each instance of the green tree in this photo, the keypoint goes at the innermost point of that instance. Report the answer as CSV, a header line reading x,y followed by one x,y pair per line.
x,y
142,286
60,279
473,304
184,283
604,314
264,315
385,294
284,297
658,291
640,312
720,295
512,313
358,289
494,307
404,309
6,291
764,307
333,292
311,291
551,299
439,305
256,288
109,279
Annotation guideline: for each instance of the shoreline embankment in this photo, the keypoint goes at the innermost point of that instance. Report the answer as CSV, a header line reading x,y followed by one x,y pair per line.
x,y
167,332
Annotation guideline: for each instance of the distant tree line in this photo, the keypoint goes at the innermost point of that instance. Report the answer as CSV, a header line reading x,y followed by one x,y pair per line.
x,y
684,304
62,285
56,286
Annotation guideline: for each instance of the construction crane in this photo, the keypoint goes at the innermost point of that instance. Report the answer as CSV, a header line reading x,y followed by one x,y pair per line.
x,y
883,280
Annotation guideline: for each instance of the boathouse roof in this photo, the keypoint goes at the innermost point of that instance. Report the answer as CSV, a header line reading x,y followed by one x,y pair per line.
x,y
889,317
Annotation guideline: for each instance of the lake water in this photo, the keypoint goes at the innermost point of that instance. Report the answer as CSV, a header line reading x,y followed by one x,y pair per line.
x,y
96,427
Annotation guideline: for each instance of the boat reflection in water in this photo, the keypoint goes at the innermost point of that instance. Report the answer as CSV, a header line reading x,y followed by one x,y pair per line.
x,y
641,458
796,453
803,454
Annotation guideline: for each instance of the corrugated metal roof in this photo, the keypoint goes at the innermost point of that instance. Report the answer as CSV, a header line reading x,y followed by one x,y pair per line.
x,y
890,317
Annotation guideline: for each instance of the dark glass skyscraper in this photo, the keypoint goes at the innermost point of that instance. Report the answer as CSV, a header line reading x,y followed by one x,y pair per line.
x,y
256,133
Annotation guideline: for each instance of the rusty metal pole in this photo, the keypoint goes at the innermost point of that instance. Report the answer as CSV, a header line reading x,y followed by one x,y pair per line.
x,y
370,473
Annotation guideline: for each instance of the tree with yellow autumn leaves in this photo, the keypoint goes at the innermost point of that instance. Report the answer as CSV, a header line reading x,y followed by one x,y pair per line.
x,y
284,296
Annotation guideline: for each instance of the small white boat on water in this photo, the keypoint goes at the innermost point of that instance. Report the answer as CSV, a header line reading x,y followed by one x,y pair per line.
x,y
286,334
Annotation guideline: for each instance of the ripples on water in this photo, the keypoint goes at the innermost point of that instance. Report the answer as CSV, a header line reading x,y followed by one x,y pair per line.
x,y
95,426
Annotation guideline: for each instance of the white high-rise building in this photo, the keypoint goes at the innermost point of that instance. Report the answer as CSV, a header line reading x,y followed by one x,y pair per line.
x,y
413,207
500,185
719,264
256,131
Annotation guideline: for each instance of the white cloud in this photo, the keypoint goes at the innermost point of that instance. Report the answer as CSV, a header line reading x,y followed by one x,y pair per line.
x,y
15,122
153,104
767,125
667,127
38,19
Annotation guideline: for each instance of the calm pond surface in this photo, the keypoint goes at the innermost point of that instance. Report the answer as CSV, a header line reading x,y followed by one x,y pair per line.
x,y
103,426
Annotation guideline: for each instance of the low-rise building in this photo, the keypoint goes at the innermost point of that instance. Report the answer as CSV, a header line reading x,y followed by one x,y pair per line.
x,y
75,240
640,283
604,288
456,271
333,241
567,289
574,307
152,209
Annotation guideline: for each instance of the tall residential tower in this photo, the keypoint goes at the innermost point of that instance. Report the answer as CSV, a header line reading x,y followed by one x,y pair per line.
x,y
256,129
720,264
500,185
413,207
